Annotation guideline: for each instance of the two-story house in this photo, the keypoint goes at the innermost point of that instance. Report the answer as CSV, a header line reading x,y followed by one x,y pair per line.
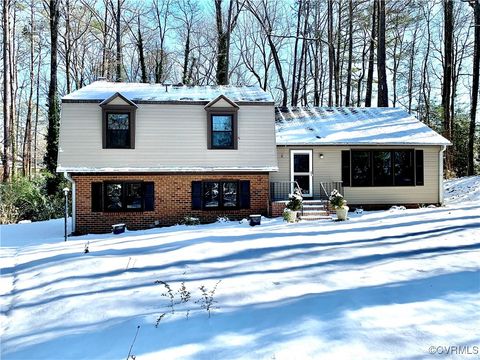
x,y
149,154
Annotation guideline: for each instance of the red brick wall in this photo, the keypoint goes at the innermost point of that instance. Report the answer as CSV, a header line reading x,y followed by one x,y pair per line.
x,y
276,208
172,201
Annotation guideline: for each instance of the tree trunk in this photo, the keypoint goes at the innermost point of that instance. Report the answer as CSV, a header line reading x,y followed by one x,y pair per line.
x,y
141,54
350,52
381,58
118,42
186,56
475,88
53,106
27,141
371,58
447,77
222,43
294,99
331,52
6,90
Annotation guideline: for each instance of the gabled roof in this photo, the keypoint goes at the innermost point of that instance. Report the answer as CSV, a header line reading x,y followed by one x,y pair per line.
x,y
221,97
351,126
98,91
117,95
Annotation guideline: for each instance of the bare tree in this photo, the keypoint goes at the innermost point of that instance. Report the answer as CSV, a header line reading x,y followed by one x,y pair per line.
x,y
381,57
475,86
6,90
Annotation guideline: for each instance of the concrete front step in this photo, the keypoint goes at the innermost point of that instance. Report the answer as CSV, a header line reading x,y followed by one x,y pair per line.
x,y
311,202
314,207
315,212
315,217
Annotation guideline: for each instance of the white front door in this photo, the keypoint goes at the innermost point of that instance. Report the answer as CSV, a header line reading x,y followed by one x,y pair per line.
x,y
301,170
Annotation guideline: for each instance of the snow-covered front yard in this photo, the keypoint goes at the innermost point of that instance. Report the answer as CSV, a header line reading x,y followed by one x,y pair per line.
x,y
386,284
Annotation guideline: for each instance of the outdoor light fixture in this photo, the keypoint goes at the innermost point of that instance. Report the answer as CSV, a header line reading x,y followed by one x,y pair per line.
x,y
65,191
321,156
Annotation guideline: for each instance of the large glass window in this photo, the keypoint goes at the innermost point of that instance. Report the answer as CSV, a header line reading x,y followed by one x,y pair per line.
x,y
220,195
133,196
222,132
361,168
384,168
118,130
404,168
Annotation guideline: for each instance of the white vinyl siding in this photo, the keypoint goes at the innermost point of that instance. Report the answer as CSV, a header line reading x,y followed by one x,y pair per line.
x,y
329,169
172,136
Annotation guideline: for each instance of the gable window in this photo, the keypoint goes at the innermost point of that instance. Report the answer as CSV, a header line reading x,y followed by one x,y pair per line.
x,y
222,124
118,122
386,167
122,196
222,131
118,130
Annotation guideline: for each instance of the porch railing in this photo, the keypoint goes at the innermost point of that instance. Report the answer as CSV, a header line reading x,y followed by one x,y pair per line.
x,y
279,190
326,188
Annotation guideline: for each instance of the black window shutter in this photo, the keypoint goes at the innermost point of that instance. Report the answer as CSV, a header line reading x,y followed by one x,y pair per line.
x,y
196,195
419,177
148,196
245,194
97,196
346,167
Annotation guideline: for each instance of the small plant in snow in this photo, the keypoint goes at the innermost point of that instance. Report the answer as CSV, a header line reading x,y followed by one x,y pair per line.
x,y
296,200
336,200
183,296
86,250
190,220
207,300
222,219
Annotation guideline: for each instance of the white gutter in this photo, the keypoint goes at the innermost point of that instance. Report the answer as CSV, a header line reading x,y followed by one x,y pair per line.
x,y
440,174
69,178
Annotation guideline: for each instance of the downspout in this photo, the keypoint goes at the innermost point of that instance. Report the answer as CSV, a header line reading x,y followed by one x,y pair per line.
x,y
67,176
440,174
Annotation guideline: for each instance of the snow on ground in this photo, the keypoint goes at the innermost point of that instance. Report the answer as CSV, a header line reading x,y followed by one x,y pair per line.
x,y
386,284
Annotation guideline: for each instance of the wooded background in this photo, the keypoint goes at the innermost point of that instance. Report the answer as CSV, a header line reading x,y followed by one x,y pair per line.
x,y
419,55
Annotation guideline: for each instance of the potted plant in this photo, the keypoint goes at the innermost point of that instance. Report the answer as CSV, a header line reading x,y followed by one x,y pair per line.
x,y
293,206
339,204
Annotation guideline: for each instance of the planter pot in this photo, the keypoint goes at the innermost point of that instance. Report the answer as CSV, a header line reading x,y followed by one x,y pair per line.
x,y
342,213
290,216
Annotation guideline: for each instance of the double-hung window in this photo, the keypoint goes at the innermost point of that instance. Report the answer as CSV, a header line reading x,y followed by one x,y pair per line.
x,y
118,130
220,194
222,131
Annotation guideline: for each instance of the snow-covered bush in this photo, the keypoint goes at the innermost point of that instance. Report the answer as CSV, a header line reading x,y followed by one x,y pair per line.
x,y
223,219
190,220
296,200
336,200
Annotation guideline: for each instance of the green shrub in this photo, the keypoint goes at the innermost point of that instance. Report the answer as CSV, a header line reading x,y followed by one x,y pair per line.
x,y
24,199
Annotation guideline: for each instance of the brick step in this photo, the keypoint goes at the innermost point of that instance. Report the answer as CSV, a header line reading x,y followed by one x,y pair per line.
x,y
315,217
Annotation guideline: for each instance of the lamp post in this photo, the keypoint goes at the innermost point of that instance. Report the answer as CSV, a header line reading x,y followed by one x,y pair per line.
x,y
65,191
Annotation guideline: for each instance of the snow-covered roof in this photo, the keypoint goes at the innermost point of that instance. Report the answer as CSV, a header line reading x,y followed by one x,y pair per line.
x,y
352,126
139,92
